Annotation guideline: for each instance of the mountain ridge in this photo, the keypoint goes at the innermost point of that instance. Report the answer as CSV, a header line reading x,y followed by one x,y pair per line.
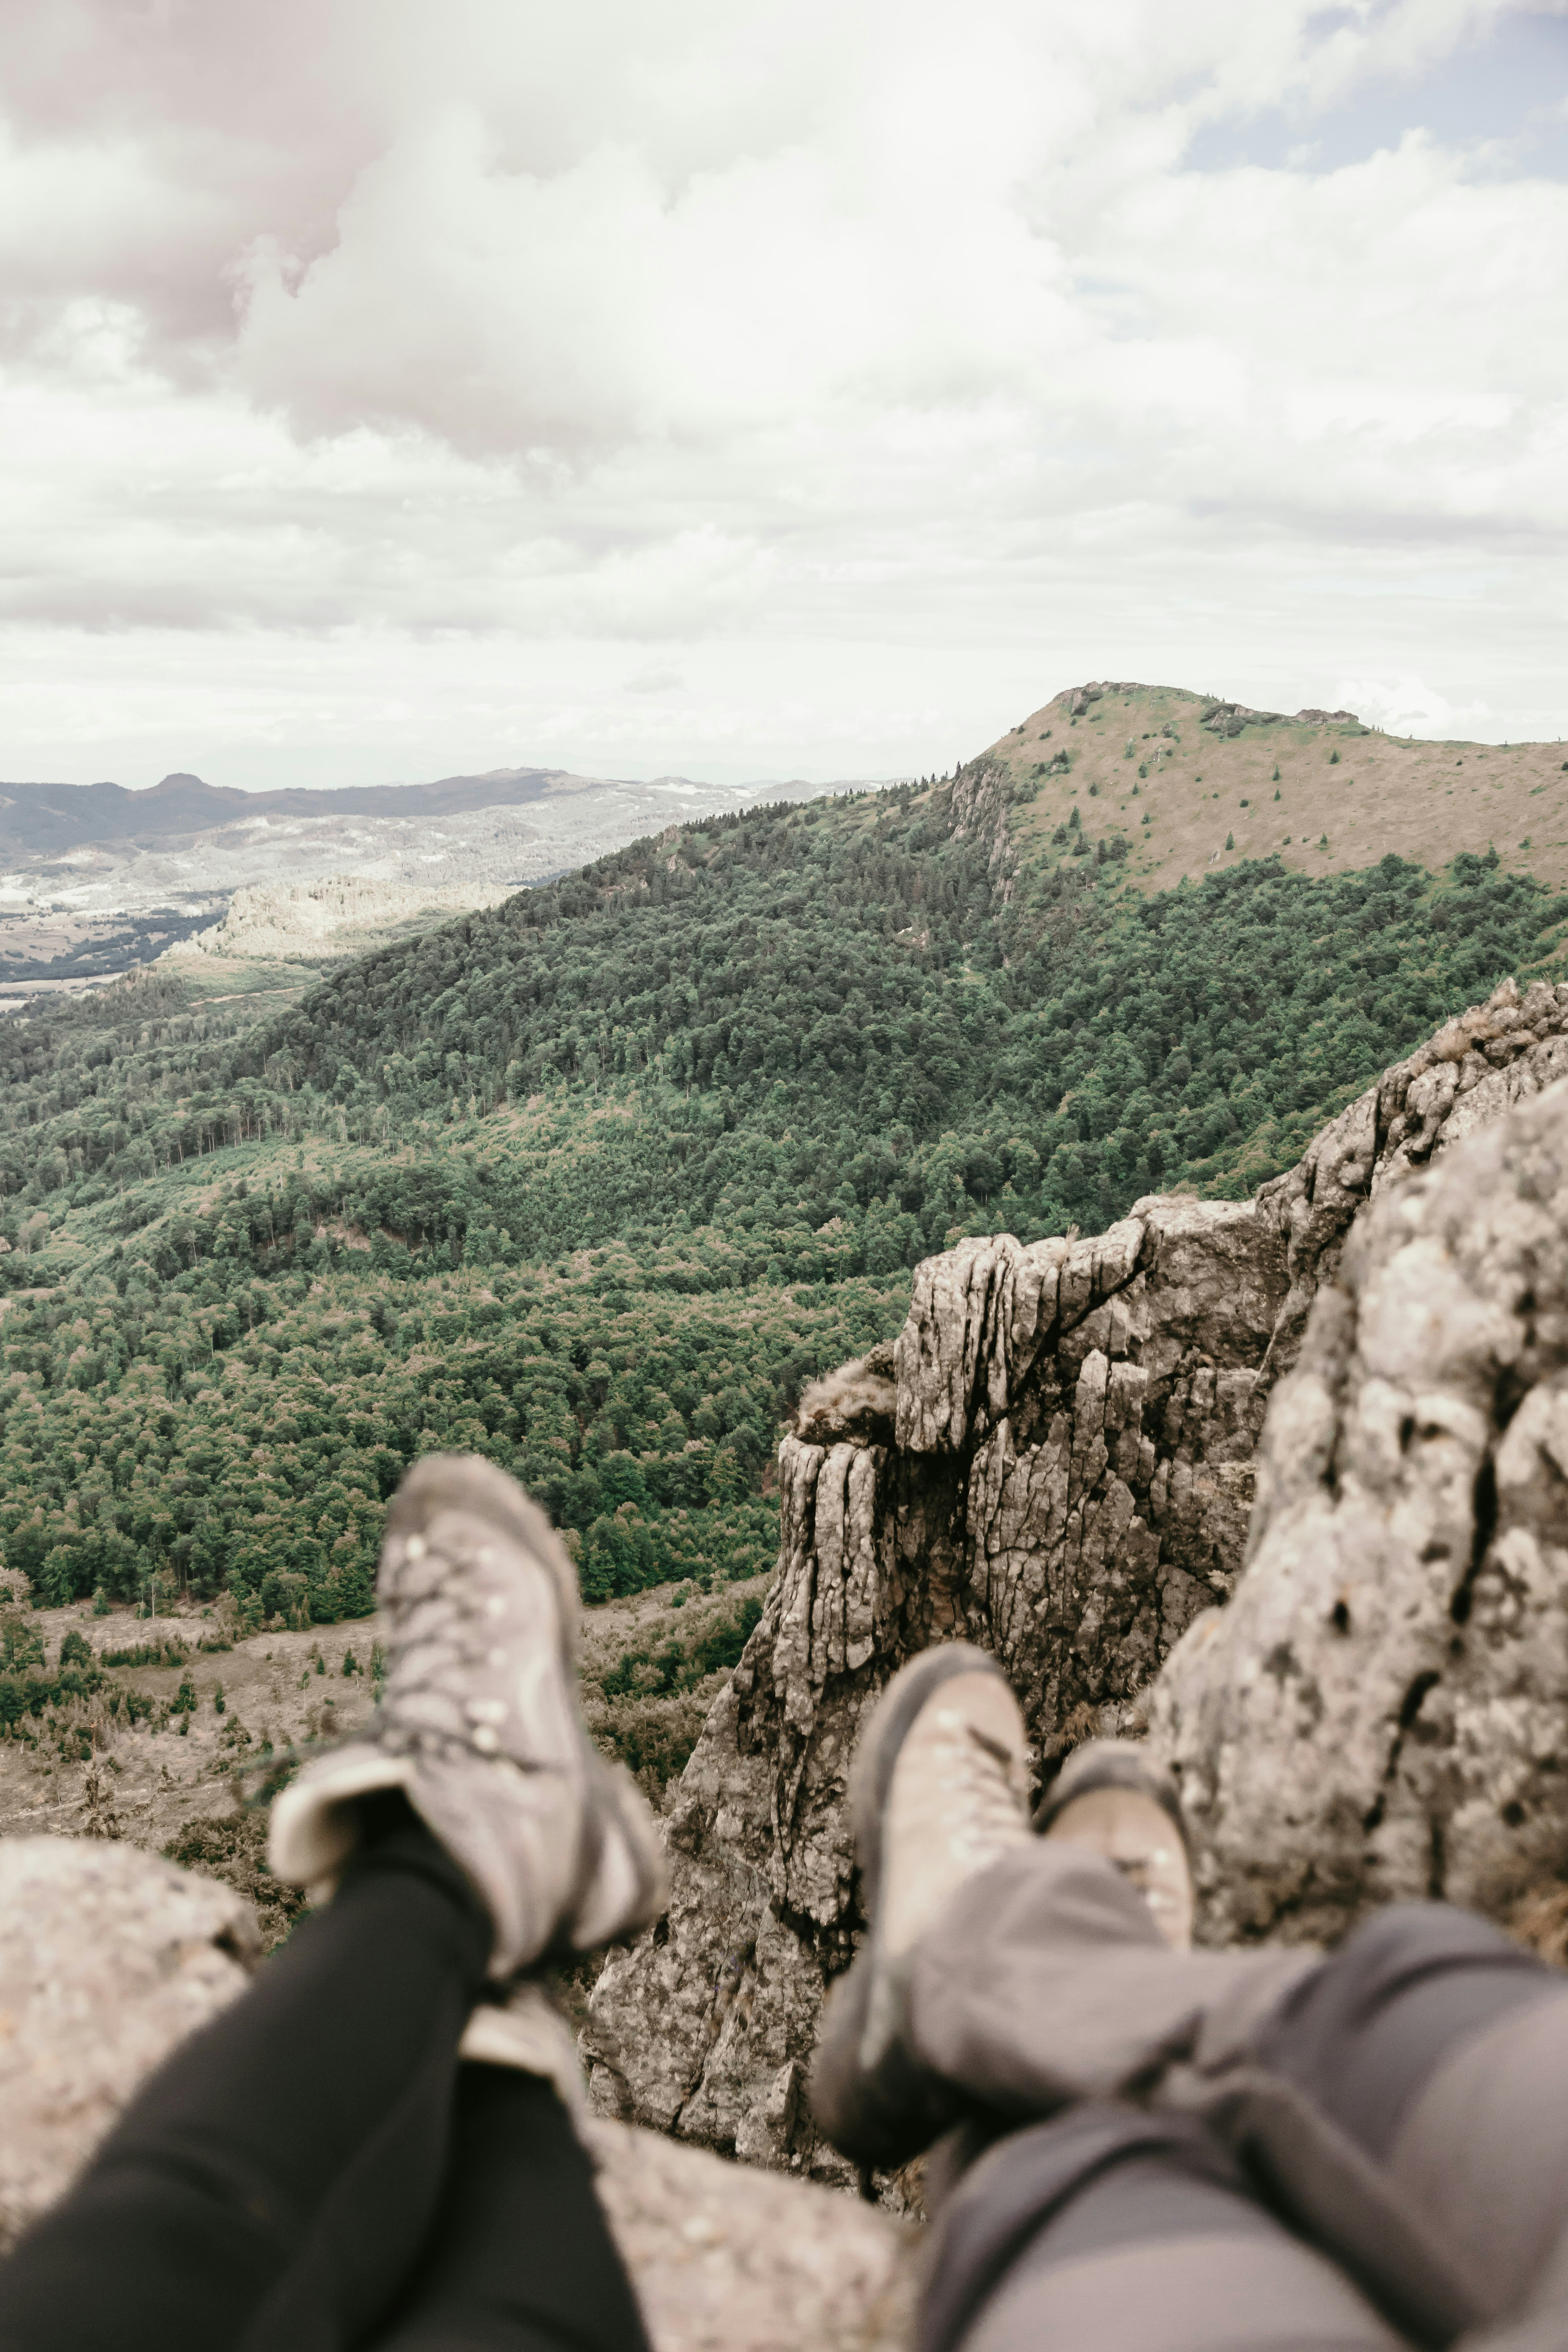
x,y
181,804
598,1180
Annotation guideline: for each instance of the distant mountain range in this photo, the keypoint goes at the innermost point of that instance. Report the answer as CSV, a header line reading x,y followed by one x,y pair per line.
x,y
49,820
94,878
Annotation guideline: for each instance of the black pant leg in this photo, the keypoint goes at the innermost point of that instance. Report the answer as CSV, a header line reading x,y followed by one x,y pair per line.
x,y
271,2184
519,2257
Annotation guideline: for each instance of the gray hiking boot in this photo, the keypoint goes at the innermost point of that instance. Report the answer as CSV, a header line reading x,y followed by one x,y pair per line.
x,y
1112,1798
480,1727
938,1789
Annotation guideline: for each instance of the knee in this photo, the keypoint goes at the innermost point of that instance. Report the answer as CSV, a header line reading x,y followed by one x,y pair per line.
x,y
1360,2035
1403,1945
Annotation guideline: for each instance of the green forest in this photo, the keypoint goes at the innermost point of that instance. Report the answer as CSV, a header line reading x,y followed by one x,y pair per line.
x,y
595,1183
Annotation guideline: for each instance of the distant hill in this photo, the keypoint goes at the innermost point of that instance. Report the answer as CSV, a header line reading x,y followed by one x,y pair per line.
x,y
45,820
597,1179
95,879
1201,769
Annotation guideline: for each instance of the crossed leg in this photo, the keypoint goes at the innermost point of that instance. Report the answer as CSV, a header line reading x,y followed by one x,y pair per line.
x,y
317,2169
1234,2149
1159,2150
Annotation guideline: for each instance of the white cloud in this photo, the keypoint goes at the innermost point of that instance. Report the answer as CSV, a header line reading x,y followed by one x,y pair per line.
x,y
1408,706
884,362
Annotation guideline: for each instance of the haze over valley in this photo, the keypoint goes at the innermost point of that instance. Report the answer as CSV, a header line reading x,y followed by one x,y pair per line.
x,y
94,878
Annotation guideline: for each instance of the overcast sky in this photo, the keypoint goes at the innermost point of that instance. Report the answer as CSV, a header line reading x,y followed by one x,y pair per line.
x,y
391,388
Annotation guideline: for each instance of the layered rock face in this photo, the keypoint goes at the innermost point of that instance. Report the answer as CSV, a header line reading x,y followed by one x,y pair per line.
x,y
1055,1460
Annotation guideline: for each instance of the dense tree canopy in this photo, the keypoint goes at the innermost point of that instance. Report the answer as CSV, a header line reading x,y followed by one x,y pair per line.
x,y
596,1182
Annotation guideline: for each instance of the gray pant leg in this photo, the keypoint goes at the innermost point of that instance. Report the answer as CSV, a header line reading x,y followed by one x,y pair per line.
x,y
1048,1984
1442,2050
1115,2231
1484,2149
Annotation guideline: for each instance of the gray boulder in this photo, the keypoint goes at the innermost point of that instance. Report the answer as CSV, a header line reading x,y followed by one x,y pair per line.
x,y
108,1958
1381,1711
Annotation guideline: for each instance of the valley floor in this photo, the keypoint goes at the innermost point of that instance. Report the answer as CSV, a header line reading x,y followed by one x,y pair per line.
x,y
195,1784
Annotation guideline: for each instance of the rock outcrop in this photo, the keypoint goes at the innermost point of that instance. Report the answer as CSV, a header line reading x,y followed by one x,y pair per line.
x,y
336,918
1381,1713
109,1956
1060,1468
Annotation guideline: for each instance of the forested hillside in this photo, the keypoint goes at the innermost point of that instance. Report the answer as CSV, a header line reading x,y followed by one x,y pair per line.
x,y
596,1182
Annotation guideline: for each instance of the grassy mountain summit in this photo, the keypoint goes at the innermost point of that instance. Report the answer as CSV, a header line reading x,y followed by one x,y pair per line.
x,y
1201,770
596,1180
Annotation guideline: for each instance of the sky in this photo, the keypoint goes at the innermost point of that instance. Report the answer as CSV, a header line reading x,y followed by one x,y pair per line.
x,y
398,388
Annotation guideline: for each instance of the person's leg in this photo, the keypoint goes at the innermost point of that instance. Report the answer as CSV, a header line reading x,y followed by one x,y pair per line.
x,y
1115,2231
1404,2102
274,2179
519,2258
1440,2050
1011,1978
274,2184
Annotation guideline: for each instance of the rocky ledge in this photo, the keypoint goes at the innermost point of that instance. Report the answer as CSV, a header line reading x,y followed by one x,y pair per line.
x,y
1056,1460
109,1956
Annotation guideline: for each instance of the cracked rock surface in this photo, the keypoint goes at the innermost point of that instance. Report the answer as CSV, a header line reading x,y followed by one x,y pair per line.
x,y
1069,1484
1380,1713
1056,1462
109,1956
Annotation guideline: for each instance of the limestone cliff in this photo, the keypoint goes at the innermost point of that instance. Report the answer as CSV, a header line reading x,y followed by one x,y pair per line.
x,y
1056,1462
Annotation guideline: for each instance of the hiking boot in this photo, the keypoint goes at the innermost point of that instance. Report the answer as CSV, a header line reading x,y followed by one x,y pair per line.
x,y
1111,1797
938,1789
478,1726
